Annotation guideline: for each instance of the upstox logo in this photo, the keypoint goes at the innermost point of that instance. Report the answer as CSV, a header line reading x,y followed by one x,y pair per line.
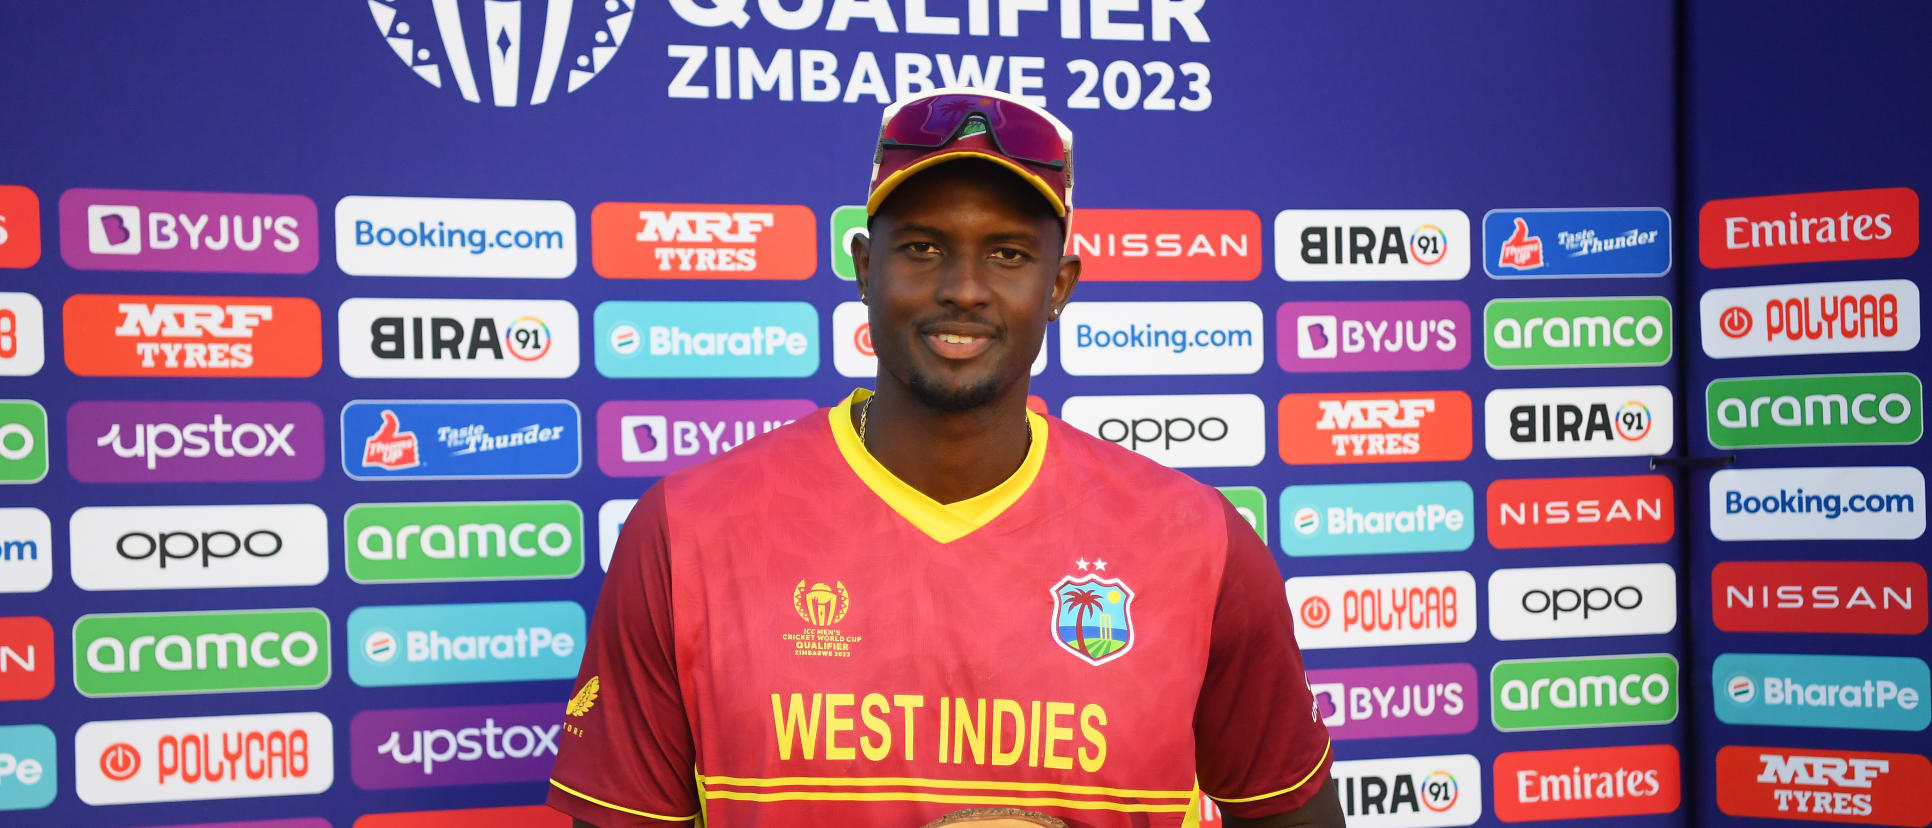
x,y
703,241
474,541
1858,692
496,237
457,338
23,441
1376,518
1598,332
1818,503
1596,691
464,643
1140,338
1815,410
688,340
152,653
29,767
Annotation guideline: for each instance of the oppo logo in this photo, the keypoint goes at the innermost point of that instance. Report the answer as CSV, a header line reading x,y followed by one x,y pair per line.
x,y
1582,601
208,546
1180,431
1165,432
197,547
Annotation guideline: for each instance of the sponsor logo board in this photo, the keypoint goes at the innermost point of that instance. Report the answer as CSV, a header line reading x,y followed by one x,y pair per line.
x,y
1815,410
198,547
1857,597
23,333
1411,791
194,442
852,352
459,439
1818,503
1140,338
1587,332
703,241
610,524
393,646
1581,511
1560,244
1582,601
156,653
1582,783
23,441
653,439
19,226
1166,245
1371,245
1377,518
1177,430
498,237
688,340
188,231
26,549
438,746
1405,701
26,660
1858,692
1607,421
1372,336
457,338
1815,318
1824,785
470,541
191,336
203,758
523,816
1833,226
1382,610
1374,427
1591,691
848,222
29,767
1251,504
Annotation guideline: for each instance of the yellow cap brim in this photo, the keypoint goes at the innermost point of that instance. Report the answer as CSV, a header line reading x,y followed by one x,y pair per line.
x,y
893,181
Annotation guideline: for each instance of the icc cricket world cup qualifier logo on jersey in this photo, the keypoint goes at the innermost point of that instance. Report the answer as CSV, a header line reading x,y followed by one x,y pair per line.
x,y
1091,616
821,607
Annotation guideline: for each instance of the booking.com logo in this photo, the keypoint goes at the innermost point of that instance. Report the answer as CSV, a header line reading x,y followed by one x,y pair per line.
x,y
508,58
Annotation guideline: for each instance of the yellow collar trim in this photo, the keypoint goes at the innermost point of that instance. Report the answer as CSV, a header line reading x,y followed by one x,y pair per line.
x,y
944,522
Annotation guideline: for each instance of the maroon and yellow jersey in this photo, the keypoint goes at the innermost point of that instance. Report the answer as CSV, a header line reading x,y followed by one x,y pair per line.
x,y
789,635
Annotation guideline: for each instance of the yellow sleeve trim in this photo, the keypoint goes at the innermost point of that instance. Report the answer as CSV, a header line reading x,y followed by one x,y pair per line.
x,y
1272,794
595,801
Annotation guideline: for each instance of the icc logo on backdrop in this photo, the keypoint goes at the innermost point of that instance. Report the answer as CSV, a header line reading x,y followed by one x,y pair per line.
x,y
512,53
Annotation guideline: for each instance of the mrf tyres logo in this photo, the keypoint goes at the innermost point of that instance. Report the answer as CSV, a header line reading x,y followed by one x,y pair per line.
x,y
391,749
1815,318
492,237
1166,245
1815,410
460,439
1178,430
1824,785
1141,338
1582,601
1383,610
458,338
1411,791
703,241
1377,518
475,541
198,547
191,336
516,53
1835,226
1818,503
1374,427
1610,421
145,654
203,758
1595,691
1855,692
394,646
185,231
1854,597
1601,332
200,442
1371,245
1372,336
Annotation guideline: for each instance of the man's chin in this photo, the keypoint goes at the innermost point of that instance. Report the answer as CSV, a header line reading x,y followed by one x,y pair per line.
x,y
953,395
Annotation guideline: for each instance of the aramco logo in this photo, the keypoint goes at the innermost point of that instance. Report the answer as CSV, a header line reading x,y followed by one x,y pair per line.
x,y
475,44
820,605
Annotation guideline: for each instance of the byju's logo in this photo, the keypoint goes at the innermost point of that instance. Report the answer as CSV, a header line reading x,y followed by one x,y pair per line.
x,y
23,335
1582,601
464,643
852,352
458,338
653,439
1383,610
198,547
202,442
196,232
1581,511
1410,792
475,541
1815,410
1859,692
1601,332
1821,503
420,748
1556,244
26,550
1371,245
1374,427
152,653
1580,783
1166,245
1815,318
1833,226
1372,336
29,767
1824,785
703,241
1615,421
1177,430
23,441
1596,691
19,228
1383,702
497,237
1376,518
26,660
519,53
1137,338
179,760
192,336
1858,597
706,339
460,439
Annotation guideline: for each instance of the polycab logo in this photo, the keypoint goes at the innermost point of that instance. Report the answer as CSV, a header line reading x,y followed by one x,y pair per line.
x,y
153,653
524,816
1823,785
589,38
703,241
1833,226
1599,332
1814,318
1377,518
457,338
1594,691
203,757
1383,702
460,439
610,524
23,335
852,352
26,550
1177,430
1323,337
1371,245
1166,245
427,747
1374,427
1821,503
186,231
1383,610
1582,601
23,441
1560,244
1581,783
26,660
691,340
1410,792
29,767
390,543
198,442
491,237
1611,421
653,439
19,226
192,336
464,643
1857,692
1815,410
1581,511
198,547
1858,597
1139,338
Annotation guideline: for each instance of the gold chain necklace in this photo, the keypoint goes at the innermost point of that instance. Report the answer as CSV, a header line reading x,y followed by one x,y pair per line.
x,y
865,410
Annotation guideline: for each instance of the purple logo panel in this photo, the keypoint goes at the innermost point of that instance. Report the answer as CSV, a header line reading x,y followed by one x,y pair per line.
x,y
194,442
200,232
1410,700
1372,336
424,747
653,439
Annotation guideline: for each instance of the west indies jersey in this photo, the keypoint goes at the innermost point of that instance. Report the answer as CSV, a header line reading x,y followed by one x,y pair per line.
x,y
789,635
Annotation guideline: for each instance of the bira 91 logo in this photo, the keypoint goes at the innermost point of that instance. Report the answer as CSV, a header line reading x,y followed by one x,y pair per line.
x,y
192,336
23,441
26,660
154,653
1384,702
457,338
390,543
1581,511
1834,226
1818,503
29,767
1383,610
1855,597
1371,245
1611,421
1815,318
1600,332
194,442
26,549
464,643
1410,792
1856,692
1581,783
703,241
693,340
426,747
1570,244
1326,337
1815,410
1824,785
198,547
1593,691
493,237
23,335
460,439
203,757
19,228
1582,601
1177,430
1166,245
1141,338
1374,427
653,439
1377,518
184,231
852,352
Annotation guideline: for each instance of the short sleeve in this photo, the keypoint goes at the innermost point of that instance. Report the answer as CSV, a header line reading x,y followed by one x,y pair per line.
x,y
625,757
1261,746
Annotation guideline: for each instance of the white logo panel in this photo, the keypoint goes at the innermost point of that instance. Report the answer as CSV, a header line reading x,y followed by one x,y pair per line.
x,y
1822,503
1372,245
1385,610
1812,318
23,335
1582,601
26,550
203,757
1411,791
1180,430
198,547
1605,421
499,237
457,338
1145,338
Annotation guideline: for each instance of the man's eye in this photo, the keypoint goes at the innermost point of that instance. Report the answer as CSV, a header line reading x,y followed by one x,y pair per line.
x,y
922,248
1010,254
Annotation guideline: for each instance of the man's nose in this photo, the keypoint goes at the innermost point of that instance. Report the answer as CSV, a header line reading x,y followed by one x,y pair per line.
x,y
963,283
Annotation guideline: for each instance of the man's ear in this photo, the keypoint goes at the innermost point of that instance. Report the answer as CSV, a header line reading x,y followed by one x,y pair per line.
x,y
862,260
1063,283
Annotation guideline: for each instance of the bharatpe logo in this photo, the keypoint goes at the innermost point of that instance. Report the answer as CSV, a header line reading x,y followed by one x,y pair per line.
x,y
1582,601
1856,692
1383,610
457,338
191,232
1377,518
492,237
425,747
703,241
23,333
464,643
1815,410
1384,702
1610,421
152,653
194,442
1835,226
1371,245
1596,691
1816,318
192,336
23,441
460,439
29,767
692,340
1557,244
472,541
1322,337
1166,245
1821,503
517,52
26,549
653,439
1410,792
1854,597
1177,430
1581,783
852,352
198,547
1824,785
1601,332
203,757
1141,338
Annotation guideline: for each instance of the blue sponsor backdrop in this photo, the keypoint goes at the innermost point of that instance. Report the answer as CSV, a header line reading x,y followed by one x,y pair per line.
x,y
461,439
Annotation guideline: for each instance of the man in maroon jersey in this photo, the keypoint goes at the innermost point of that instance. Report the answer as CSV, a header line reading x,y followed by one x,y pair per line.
x,y
927,599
